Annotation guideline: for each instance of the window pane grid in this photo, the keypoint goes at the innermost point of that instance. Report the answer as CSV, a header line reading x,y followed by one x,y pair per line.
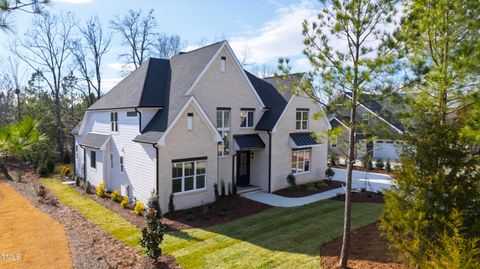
x,y
223,127
301,161
188,176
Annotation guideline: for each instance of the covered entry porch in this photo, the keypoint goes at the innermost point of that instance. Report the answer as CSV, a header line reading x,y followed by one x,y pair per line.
x,y
246,147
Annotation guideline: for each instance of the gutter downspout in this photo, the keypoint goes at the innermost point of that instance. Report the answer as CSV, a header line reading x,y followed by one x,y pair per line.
x,y
156,169
139,120
74,156
84,163
269,161
233,168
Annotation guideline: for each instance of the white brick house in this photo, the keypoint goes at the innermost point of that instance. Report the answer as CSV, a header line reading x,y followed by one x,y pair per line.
x,y
183,124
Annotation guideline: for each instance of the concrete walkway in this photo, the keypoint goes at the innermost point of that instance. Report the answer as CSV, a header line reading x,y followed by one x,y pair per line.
x,y
371,181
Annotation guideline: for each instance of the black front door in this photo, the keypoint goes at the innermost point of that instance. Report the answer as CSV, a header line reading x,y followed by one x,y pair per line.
x,y
243,168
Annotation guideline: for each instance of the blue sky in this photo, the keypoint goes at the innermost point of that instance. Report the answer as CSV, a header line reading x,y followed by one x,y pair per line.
x,y
267,29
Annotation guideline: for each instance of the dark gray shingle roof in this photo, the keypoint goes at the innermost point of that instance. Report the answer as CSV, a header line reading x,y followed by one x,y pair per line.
x,y
273,100
95,141
76,129
184,70
144,87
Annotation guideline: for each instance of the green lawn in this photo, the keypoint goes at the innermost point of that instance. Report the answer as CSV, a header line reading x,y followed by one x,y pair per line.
x,y
274,238
96,213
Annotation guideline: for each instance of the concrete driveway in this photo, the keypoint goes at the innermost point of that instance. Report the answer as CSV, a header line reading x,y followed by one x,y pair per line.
x,y
371,181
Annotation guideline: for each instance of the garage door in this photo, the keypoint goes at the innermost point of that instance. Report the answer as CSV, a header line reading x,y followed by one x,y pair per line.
x,y
385,149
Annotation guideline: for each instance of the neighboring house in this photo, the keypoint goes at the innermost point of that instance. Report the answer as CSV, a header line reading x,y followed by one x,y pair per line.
x,y
379,131
181,125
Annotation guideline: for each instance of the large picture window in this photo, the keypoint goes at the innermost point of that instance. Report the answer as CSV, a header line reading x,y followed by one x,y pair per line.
x,y
188,176
223,127
301,161
301,120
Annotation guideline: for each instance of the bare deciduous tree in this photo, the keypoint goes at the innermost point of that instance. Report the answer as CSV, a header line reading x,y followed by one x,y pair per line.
x,y
88,52
137,32
45,49
168,46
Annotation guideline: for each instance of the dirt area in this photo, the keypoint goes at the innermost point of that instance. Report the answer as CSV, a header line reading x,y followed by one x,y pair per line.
x,y
29,238
361,197
90,246
306,189
197,217
367,250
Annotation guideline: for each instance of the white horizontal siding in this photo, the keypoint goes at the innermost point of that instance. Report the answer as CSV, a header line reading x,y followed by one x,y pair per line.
x,y
139,159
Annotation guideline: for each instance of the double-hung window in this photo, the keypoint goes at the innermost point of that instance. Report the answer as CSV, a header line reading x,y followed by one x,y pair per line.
x,y
365,118
246,117
114,121
301,161
188,175
223,127
121,164
93,159
301,119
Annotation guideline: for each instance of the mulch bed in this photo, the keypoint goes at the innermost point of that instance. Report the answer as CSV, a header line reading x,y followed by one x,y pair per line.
x,y
91,247
197,217
212,214
362,197
368,250
302,190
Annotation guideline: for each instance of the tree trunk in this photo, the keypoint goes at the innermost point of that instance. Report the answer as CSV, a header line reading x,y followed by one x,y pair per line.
x,y
348,187
58,125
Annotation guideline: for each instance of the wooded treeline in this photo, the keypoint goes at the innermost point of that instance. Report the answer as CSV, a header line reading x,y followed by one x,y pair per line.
x,y
54,70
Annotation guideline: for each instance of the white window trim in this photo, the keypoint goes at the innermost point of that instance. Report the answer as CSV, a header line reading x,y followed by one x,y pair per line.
x,y
334,138
91,167
223,129
365,118
302,119
111,160
121,161
303,166
114,130
223,64
182,178
252,124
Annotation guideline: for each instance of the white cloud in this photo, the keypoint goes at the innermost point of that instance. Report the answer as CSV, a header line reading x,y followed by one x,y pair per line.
x,y
121,66
279,37
109,83
73,1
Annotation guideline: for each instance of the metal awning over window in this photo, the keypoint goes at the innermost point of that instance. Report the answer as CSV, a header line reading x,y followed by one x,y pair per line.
x,y
95,141
302,140
248,142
